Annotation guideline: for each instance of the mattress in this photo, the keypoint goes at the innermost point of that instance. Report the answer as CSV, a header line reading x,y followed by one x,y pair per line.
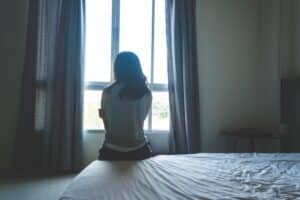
x,y
192,177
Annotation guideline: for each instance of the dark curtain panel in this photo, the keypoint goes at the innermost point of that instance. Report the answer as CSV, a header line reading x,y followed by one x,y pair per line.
x,y
26,154
53,86
183,76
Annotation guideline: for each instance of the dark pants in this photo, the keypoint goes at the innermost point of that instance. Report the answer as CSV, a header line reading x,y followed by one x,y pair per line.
x,y
106,153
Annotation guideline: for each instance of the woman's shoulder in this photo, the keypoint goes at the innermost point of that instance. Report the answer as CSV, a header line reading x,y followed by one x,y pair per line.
x,y
109,88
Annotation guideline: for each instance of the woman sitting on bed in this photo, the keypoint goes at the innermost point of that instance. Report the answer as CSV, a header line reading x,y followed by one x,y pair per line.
x,y
124,107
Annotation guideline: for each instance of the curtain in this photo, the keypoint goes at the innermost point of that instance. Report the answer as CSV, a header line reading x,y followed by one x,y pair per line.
x,y
183,76
26,154
53,86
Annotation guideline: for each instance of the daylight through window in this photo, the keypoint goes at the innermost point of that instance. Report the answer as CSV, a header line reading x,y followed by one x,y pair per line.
x,y
113,26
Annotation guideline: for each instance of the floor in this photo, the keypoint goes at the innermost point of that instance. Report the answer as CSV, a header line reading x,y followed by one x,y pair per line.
x,y
45,188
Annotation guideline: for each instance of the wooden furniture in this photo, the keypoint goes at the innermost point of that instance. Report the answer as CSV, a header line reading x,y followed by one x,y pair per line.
x,y
252,135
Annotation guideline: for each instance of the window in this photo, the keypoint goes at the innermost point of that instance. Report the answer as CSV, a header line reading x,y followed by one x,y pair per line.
x,y
126,25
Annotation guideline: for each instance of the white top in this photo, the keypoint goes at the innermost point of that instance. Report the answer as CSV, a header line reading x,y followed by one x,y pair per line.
x,y
124,119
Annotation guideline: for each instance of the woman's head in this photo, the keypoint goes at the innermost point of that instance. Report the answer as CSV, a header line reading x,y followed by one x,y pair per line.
x,y
127,67
128,70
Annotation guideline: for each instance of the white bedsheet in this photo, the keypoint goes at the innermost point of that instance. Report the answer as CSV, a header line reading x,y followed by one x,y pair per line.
x,y
193,177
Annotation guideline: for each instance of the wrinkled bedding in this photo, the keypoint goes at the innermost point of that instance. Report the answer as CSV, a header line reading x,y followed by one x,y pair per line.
x,y
192,177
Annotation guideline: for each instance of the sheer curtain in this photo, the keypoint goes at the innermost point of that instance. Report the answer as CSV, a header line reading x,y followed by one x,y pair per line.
x,y
52,94
183,76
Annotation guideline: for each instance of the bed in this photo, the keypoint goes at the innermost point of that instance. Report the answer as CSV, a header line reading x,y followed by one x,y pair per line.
x,y
192,177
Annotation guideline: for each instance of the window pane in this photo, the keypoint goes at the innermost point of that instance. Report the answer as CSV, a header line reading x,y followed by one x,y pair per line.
x,y
135,30
40,108
160,111
92,101
98,40
160,46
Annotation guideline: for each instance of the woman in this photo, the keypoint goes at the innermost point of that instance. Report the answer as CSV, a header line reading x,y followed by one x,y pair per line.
x,y
124,107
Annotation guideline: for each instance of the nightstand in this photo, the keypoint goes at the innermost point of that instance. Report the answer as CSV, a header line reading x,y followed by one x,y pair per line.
x,y
253,136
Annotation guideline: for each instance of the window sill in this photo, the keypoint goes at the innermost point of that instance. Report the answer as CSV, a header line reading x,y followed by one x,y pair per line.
x,y
97,131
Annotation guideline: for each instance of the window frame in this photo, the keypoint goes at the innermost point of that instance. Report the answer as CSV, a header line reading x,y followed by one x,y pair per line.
x,y
115,41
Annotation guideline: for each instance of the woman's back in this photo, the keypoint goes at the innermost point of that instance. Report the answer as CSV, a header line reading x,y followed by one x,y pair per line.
x,y
124,119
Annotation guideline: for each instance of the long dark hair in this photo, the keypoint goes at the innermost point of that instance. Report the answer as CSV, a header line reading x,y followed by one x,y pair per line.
x,y
128,70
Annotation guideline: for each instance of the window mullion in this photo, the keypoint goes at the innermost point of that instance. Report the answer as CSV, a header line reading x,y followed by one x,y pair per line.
x,y
115,33
152,40
152,58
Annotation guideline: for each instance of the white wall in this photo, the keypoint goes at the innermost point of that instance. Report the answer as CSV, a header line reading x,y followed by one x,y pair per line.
x,y
12,41
295,28
286,38
290,40
268,70
237,75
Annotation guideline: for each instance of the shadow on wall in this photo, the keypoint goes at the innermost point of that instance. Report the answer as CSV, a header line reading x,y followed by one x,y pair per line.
x,y
290,114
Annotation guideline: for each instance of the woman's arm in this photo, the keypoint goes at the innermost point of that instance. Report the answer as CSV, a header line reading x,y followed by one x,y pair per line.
x,y
101,111
147,102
